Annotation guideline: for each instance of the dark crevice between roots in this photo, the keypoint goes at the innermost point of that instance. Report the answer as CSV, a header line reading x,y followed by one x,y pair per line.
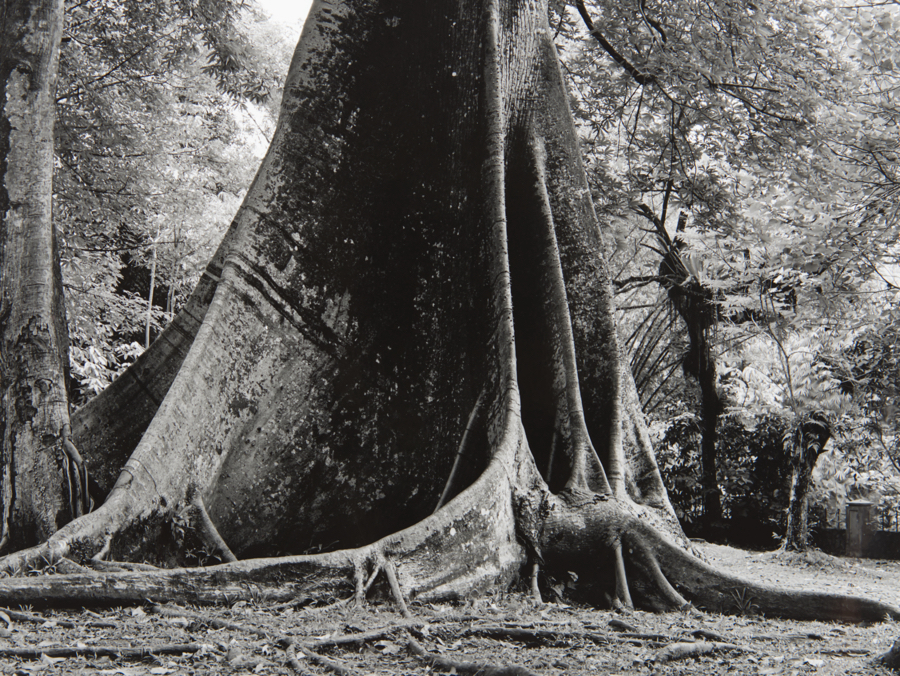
x,y
536,356
546,370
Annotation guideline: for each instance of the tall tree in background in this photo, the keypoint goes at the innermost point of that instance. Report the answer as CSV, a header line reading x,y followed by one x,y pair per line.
x,y
43,485
403,352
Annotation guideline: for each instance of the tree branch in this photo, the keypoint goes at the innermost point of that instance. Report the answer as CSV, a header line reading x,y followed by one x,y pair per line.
x,y
639,77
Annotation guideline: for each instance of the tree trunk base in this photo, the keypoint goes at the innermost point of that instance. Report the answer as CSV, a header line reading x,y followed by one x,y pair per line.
x,y
609,552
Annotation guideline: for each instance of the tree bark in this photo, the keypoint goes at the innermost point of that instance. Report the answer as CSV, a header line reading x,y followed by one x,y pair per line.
x,y
807,442
696,307
42,483
406,361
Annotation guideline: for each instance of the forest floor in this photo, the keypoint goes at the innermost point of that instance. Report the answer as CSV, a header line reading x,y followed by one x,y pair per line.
x,y
509,630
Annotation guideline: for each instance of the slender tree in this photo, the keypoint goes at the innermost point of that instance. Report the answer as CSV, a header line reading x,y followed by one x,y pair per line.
x,y
404,354
43,484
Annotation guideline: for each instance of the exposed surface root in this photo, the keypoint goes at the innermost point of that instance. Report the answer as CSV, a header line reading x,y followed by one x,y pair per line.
x,y
535,587
538,636
391,574
206,529
662,576
262,580
30,617
100,651
680,651
612,551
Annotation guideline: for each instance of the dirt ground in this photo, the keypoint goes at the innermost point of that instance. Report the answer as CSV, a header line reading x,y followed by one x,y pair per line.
x,y
509,630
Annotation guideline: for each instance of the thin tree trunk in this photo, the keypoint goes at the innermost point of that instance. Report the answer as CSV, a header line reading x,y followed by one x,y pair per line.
x,y
710,408
807,443
41,485
150,297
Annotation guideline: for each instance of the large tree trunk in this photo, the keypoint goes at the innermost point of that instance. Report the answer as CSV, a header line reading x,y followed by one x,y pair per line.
x,y
42,482
407,356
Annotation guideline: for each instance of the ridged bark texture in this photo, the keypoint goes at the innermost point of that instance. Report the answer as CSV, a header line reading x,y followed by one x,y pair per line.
x,y
38,483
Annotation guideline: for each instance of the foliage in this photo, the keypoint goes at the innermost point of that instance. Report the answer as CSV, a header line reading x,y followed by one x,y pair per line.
x,y
163,113
760,143
754,474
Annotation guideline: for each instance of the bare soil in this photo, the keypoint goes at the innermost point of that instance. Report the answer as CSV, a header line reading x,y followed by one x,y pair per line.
x,y
553,638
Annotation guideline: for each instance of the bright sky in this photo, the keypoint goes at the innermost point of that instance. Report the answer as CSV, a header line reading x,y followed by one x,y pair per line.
x,y
292,12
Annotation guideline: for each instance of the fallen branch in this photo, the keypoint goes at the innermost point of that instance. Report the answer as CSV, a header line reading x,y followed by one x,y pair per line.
x,y
101,651
443,664
213,622
365,636
541,636
40,619
680,651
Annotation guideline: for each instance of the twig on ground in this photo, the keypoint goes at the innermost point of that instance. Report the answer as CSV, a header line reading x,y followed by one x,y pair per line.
x,y
321,660
788,637
659,638
40,619
443,664
528,633
100,651
364,636
214,622
542,636
293,603
321,609
285,643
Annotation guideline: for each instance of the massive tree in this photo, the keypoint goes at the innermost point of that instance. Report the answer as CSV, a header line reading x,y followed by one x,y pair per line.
x,y
403,357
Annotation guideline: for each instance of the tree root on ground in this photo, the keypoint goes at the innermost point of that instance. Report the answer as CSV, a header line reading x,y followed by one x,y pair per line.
x,y
658,573
615,548
39,619
680,650
663,576
101,651
443,664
